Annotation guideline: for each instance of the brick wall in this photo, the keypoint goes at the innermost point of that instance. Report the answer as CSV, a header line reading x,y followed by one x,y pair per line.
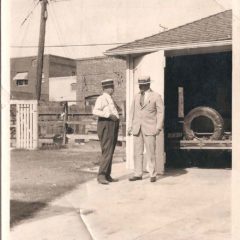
x,y
54,66
25,64
91,71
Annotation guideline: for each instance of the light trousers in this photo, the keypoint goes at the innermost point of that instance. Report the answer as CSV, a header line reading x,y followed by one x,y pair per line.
x,y
150,143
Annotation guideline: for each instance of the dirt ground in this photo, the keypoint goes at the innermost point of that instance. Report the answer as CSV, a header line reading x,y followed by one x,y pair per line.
x,y
37,177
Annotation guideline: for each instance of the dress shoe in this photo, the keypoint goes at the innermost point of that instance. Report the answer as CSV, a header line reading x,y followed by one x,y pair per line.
x,y
110,179
134,178
103,181
153,179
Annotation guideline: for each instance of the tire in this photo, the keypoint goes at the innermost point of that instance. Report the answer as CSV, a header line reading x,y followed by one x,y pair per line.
x,y
208,112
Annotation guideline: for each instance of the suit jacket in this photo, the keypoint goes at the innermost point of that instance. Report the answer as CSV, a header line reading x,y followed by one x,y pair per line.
x,y
149,117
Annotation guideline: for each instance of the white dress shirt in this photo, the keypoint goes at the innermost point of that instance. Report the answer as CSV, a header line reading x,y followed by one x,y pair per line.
x,y
105,106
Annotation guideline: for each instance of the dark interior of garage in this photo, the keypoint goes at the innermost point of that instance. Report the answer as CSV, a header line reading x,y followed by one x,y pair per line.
x,y
202,80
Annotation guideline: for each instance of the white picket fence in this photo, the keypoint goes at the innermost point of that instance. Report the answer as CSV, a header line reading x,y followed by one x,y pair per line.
x,y
26,123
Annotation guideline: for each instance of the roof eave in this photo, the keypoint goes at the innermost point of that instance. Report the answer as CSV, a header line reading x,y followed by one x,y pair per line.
x,y
129,51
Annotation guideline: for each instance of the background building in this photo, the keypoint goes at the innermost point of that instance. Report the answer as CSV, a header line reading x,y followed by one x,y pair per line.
x,y
62,89
90,73
23,75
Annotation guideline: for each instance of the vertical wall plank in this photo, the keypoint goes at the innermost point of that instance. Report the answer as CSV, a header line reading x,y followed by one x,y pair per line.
x,y
27,126
17,126
35,125
31,126
26,123
21,126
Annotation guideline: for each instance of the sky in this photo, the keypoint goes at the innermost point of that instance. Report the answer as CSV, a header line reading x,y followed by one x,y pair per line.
x,y
81,22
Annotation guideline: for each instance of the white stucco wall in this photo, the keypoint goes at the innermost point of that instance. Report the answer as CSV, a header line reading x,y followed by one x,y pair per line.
x,y
152,65
235,123
60,89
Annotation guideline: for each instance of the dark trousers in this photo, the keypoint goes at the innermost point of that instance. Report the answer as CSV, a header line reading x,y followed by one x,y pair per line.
x,y
107,133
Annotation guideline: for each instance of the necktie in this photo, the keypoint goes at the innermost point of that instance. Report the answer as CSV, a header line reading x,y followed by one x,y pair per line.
x,y
142,99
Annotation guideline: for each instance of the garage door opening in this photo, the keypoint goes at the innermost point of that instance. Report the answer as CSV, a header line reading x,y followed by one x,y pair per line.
x,y
198,107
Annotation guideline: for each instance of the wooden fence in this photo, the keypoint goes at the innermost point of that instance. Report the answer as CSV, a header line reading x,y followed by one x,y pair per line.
x,y
34,124
25,123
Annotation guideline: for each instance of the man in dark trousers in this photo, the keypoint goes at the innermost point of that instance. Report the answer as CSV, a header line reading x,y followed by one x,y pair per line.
x,y
107,129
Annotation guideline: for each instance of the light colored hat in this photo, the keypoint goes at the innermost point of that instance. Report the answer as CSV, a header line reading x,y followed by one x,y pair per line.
x,y
107,82
144,80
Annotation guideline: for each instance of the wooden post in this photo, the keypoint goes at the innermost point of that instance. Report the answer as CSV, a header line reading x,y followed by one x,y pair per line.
x,y
41,47
65,125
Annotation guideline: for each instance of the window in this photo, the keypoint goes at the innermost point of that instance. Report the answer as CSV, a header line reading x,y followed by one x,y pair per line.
x,y
90,100
21,79
22,82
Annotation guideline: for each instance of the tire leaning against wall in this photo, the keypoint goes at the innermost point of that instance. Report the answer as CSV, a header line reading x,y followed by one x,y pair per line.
x,y
208,112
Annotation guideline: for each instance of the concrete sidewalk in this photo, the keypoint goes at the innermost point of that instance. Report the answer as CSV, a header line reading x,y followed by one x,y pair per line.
x,y
185,204
59,221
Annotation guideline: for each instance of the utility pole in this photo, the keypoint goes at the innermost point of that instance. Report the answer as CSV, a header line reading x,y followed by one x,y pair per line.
x,y
41,47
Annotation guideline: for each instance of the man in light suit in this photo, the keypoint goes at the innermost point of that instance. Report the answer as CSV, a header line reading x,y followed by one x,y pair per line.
x,y
145,123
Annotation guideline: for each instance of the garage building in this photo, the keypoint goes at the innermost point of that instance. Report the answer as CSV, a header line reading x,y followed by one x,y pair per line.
x,y
191,66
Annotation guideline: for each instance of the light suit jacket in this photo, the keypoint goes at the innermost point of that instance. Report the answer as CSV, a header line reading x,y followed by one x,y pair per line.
x,y
149,117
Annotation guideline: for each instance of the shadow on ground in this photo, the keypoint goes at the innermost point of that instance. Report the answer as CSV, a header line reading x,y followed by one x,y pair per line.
x,y
21,210
39,177
199,158
174,172
26,210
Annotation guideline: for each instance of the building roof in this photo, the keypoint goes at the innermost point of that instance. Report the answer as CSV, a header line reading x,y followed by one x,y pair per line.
x,y
91,58
214,28
45,55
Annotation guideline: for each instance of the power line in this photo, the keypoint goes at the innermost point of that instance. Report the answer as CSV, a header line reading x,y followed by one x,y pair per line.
x,y
58,32
70,45
24,35
57,27
219,4
30,13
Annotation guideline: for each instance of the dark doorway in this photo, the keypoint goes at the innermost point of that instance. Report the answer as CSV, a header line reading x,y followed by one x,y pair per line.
x,y
202,80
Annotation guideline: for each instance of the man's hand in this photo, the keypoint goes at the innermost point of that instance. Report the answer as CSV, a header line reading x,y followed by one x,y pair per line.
x,y
158,131
129,132
113,117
